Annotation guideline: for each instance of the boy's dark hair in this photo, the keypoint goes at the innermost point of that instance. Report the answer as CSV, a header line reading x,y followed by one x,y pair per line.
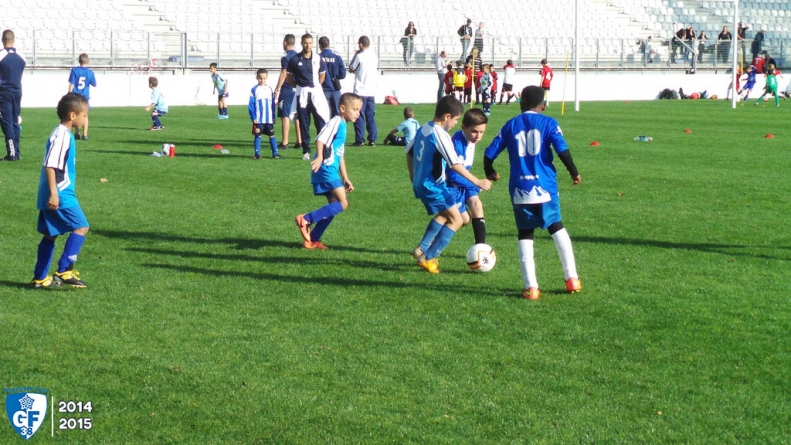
x,y
543,61
509,62
153,81
450,66
347,98
289,39
364,41
532,96
473,117
213,65
260,71
306,36
449,105
8,36
324,42
409,113
71,103
83,59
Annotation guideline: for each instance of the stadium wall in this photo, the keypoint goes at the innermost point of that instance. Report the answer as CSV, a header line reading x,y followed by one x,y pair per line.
x,y
42,89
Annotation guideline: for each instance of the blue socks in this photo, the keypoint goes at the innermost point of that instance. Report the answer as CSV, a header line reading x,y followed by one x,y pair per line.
x,y
70,252
157,123
273,145
440,242
257,145
328,211
432,230
44,258
318,229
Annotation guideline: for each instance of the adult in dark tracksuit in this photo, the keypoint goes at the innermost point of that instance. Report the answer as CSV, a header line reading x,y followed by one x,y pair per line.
x,y
335,72
12,64
307,71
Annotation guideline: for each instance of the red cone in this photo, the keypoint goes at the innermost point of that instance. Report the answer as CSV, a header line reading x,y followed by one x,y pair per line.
x,y
594,144
217,147
769,136
687,131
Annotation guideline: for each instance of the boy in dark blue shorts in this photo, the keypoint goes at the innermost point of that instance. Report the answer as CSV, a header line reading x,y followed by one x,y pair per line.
x,y
59,211
465,193
328,173
262,112
430,153
529,139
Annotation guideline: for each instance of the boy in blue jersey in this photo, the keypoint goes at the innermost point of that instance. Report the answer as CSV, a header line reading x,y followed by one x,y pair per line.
x,y
59,211
221,87
485,89
262,113
464,192
529,139
427,157
748,87
409,127
328,173
157,104
81,79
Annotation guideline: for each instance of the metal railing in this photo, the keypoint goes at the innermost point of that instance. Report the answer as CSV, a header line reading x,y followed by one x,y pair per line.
x,y
141,51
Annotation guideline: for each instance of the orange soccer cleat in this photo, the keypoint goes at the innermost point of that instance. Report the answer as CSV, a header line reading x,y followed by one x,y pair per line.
x,y
573,285
532,293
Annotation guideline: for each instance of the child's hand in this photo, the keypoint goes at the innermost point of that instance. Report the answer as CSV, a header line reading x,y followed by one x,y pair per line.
x,y
315,164
485,184
147,108
53,202
348,185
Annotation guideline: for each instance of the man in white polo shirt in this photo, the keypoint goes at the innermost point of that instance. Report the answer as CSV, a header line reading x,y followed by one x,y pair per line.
x,y
365,65
439,64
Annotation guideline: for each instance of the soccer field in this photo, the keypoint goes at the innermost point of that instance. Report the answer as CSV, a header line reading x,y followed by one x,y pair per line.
x,y
205,322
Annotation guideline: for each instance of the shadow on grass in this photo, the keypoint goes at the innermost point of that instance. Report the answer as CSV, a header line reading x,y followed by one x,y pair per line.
x,y
215,155
239,243
723,249
341,281
16,285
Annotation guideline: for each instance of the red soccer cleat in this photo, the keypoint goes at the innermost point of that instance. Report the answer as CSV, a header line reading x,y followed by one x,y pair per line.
x,y
573,285
532,293
314,245
304,226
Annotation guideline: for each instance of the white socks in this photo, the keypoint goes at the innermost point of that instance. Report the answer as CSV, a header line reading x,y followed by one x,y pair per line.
x,y
527,263
566,254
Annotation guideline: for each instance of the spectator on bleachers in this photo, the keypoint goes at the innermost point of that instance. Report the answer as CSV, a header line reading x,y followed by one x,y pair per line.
x,y
676,44
724,44
701,45
768,60
408,41
741,34
465,33
757,44
479,34
689,39
336,71
12,65
365,65
439,64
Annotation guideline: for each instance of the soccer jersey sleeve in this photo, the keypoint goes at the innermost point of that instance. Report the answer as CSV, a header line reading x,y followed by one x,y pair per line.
x,y
327,134
445,148
251,105
58,152
496,147
73,77
556,138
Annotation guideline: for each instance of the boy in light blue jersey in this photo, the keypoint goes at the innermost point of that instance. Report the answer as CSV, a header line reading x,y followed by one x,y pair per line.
x,y
262,113
59,211
81,79
485,89
409,127
157,104
529,139
328,173
464,192
427,158
221,87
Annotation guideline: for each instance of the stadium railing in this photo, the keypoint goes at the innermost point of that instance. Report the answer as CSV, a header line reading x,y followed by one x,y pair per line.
x,y
144,51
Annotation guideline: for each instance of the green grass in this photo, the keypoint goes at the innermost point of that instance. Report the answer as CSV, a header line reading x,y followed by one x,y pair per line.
x,y
206,322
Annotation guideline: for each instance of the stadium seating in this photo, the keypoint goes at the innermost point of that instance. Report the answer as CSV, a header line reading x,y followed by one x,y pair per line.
x,y
245,32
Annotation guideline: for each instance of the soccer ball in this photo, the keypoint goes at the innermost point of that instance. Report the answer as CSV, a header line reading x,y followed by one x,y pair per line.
x,y
166,149
481,258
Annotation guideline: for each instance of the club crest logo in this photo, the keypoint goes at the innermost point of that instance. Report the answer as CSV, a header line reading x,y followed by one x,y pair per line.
x,y
26,411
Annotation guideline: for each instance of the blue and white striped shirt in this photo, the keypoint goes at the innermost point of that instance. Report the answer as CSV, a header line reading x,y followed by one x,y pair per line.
x,y
262,104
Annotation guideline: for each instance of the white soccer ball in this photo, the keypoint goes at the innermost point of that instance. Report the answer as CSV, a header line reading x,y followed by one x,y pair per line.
x,y
481,258
166,149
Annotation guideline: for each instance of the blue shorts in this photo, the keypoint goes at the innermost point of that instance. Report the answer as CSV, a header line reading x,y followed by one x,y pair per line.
x,y
436,198
221,95
264,129
57,222
324,188
460,197
535,216
160,112
749,85
286,105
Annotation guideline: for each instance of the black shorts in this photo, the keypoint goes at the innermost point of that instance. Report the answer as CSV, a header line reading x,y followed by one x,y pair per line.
x,y
264,129
508,87
459,89
545,88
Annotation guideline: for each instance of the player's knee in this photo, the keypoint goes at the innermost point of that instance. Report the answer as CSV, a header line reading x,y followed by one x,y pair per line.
x,y
476,207
82,231
555,227
525,234
465,218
